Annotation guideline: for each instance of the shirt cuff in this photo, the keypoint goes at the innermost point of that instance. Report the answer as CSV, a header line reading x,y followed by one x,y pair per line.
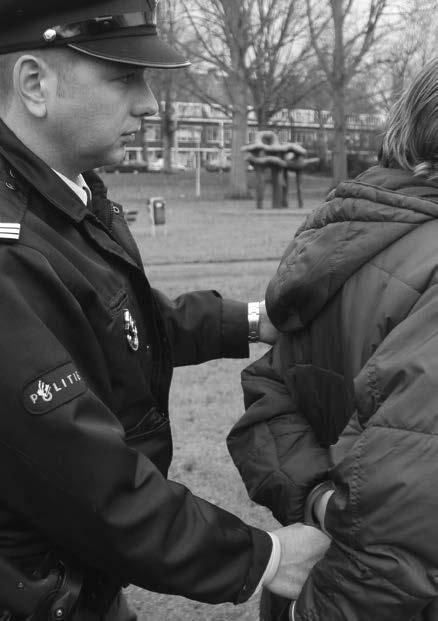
x,y
273,563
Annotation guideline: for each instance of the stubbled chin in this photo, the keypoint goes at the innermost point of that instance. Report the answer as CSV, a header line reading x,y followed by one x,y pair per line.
x,y
115,156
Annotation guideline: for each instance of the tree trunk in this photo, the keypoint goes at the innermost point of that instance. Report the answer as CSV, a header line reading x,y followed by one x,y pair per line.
x,y
298,177
339,148
285,192
321,145
167,147
239,98
144,141
168,135
238,178
338,85
262,121
260,185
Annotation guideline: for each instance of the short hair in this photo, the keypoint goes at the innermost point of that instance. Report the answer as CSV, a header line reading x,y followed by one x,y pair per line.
x,y
58,59
411,138
7,62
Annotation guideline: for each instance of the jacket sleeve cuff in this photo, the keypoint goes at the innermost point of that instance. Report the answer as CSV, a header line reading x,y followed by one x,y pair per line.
x,y
263,547
273,564
234,327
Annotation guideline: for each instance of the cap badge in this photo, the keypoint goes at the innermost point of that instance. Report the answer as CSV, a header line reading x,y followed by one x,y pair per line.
x,y
49,35
130,330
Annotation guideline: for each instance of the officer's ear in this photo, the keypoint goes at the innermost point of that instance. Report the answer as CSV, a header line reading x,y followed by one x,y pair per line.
x,y
33,79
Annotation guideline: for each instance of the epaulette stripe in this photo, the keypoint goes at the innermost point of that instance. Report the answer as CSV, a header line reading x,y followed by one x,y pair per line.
x,y
10,230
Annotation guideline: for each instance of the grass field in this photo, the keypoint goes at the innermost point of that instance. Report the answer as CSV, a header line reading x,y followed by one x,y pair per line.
x,y
232,247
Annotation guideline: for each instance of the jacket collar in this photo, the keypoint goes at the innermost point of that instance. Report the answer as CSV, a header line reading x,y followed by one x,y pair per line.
x,y
28,170
39,175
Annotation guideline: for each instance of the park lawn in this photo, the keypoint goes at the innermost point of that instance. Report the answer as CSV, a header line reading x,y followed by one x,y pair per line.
x,y
209,228
228,246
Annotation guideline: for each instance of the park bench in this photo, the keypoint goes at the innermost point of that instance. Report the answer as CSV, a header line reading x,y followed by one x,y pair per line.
x,y
131,216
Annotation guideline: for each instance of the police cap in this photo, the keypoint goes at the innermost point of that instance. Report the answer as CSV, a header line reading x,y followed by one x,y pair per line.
x,y
119,30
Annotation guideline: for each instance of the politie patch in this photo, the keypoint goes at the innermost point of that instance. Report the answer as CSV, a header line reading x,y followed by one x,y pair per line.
x,y
53,389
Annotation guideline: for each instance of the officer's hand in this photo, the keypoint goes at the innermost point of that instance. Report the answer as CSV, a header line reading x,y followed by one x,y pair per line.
x,y
268,334
301,547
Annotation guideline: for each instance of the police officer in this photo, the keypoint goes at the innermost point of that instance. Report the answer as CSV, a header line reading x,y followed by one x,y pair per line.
x,y
88,347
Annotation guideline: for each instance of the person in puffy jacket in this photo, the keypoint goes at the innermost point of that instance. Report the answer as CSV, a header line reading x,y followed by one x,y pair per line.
x,y
341,422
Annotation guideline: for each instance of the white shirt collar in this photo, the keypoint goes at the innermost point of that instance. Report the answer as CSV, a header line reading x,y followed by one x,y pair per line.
x,y
80,187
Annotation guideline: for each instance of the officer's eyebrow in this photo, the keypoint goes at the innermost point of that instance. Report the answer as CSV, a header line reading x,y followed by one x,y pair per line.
x,y
129,71
122,68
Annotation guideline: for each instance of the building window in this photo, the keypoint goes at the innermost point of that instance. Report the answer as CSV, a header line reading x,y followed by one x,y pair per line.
x,y
133,154
284,134
213,134
353,139
185,110
366,143
215,111
189,133
153,132
307,139
228,135
299,137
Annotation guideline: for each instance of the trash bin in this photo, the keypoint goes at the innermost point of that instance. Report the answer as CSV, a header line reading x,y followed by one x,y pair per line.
x,y
157,209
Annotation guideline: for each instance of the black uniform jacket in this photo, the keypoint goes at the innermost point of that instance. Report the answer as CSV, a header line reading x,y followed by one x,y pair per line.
x,y
85,442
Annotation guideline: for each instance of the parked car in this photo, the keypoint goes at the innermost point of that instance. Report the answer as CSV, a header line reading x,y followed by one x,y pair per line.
x,y
133,166
223,165
218,165
158,166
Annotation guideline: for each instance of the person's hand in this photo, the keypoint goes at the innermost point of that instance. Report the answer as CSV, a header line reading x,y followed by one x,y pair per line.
x,y
301,547
268,334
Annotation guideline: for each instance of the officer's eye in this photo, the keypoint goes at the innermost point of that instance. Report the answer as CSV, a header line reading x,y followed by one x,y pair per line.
x,y
127,78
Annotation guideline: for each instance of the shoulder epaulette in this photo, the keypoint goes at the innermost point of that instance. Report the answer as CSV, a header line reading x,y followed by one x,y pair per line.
x,y
10,230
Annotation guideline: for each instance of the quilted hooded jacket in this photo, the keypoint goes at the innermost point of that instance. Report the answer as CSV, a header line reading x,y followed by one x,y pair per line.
x,y
350,393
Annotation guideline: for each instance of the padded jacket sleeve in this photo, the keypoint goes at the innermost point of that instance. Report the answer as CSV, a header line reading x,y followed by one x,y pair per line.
x,y
273,445
203,326
384,557
76,482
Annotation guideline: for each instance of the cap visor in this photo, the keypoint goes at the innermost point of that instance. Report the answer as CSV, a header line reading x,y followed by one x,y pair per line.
x,y
145,51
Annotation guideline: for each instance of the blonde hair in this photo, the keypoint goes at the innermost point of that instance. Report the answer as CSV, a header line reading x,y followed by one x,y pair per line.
x,y
411,137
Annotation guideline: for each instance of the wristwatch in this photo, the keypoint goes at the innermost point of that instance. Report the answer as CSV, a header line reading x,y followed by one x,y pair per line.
x,y
254,322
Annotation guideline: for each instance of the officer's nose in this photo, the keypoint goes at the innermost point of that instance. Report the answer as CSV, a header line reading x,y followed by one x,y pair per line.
x,y
145,104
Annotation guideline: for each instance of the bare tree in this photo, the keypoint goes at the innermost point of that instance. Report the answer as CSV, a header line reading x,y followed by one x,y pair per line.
x,y
402,54
166,83
222,41
340,49
278,58
256,46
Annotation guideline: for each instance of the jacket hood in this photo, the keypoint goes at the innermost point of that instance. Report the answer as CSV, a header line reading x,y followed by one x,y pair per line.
x,y
359,219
